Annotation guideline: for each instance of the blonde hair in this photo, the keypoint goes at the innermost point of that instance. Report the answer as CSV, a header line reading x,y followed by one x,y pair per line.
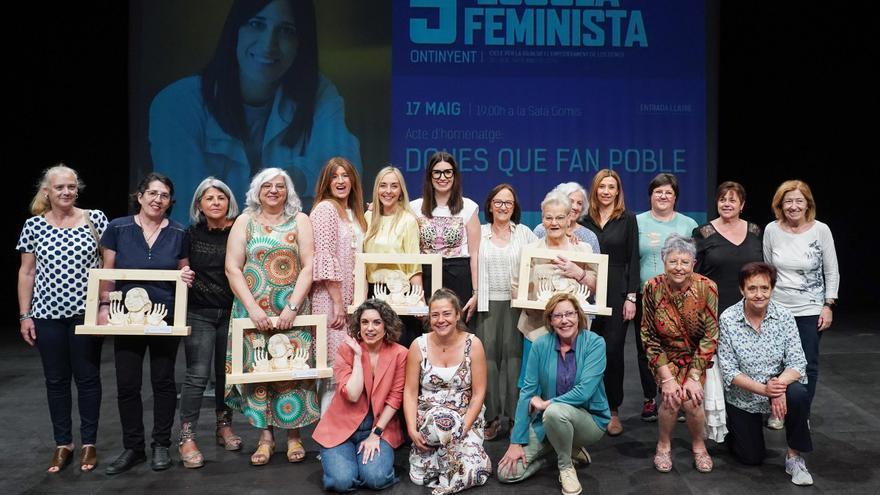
x,y
40,202
787,187
402,207
557,298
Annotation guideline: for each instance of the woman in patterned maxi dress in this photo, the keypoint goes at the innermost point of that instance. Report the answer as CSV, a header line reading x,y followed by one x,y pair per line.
x,y
268,262
443,402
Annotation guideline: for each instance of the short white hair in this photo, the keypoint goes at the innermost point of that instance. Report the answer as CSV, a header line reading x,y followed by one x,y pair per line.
x,y
555,197
252,198
196,214
571,187
677,243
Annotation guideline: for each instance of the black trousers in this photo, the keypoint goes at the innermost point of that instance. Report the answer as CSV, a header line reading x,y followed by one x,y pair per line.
x,y
649,386
613,330
456,277
129,355
745,430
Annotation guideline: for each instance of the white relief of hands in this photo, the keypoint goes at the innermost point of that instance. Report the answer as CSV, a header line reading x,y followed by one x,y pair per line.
x,y
545,289
117,313
582,293
380,291
416,294
299,359
261,359
156,316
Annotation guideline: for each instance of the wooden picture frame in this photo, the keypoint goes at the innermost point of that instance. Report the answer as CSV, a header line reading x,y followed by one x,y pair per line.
x,y
600,261
178,327
237,375
360,277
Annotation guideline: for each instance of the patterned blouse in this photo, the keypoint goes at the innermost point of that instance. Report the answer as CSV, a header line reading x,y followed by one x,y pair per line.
x,y
760,355
680,328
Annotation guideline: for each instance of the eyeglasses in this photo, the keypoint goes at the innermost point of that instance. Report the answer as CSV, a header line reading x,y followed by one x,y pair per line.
x,y
558,219
497,203
152,194
568,315
269,186
798,202
664,193
445,172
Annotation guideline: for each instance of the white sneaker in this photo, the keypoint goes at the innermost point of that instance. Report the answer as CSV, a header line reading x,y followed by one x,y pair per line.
x,y
775,423
797,468
568,477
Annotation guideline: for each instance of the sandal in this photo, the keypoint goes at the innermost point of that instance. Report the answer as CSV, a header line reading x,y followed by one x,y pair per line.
x,y
703,462
230,441
193,459
60,458
295,450
261,456
492,429
663,461
88,456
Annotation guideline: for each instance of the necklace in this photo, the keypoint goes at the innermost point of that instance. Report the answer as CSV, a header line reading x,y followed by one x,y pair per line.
x,y
148,238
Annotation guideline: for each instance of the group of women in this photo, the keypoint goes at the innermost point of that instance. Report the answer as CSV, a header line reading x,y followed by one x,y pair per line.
x,y
456,385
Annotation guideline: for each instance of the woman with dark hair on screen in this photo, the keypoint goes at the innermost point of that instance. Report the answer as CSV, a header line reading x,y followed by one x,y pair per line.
x,y
259,102
618,234
213,210
449,225
50,241
146,240
338,223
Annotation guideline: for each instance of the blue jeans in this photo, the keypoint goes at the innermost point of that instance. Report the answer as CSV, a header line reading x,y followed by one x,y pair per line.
x,y
207,342
344,470
65,354
808,327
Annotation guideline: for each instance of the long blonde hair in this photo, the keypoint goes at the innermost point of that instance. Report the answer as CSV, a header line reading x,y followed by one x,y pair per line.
x,y
402,207
40,202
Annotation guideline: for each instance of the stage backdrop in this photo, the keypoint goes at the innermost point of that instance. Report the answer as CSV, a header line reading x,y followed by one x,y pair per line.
x,y
530,92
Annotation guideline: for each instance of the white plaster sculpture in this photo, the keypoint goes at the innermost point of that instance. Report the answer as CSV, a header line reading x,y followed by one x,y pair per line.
x,y
396,290
140,310
278,355
547,286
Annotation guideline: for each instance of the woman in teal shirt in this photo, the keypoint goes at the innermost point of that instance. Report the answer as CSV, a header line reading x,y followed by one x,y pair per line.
x,y
562,406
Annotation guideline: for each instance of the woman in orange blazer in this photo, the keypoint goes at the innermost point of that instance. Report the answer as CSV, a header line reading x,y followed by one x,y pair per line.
x,y
360,430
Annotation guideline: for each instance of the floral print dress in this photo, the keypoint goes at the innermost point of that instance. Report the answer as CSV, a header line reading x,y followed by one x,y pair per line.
x,y
271,268
457,461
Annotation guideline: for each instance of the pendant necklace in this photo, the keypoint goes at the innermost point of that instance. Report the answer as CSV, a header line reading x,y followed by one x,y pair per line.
x,y
147,239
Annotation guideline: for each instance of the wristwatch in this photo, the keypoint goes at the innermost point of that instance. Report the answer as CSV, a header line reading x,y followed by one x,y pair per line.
x,y
377,430
631,298
830,304
292,307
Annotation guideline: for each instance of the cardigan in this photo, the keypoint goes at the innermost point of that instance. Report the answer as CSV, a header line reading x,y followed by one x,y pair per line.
x,y
540,380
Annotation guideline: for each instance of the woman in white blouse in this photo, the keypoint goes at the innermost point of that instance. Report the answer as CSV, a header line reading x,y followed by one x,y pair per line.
x,y
802,250
501,240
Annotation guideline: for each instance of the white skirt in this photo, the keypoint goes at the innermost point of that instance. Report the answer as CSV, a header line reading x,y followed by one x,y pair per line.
x,y
713,404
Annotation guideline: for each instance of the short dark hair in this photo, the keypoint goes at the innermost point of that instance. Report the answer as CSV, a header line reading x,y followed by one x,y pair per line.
x,y
663,179
142,188
728,186
393,325
755,268
514,216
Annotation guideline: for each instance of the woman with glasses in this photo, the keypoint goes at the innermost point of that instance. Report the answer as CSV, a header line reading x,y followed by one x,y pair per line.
x,y
655,225
48,318
146,240
562,407
502,239
680,332
449,225
801,249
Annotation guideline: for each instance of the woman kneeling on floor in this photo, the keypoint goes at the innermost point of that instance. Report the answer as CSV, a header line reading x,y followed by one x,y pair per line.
x,y
564,387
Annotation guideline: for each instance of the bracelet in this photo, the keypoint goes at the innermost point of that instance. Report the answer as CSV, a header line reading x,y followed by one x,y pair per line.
x,y
667,380
25,316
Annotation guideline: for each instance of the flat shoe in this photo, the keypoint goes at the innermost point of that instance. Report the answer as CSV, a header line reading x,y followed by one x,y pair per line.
x,y
161,459
61,458
295,451
126,460
663,461
703,462
614,427
88,456
261,456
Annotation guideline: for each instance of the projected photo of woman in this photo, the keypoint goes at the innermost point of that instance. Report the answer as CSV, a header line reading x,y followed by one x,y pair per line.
x,y
259,102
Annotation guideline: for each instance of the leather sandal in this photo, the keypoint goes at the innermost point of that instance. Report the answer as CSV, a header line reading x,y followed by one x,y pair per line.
x,y
295,450
88,456
229,441
61,458
193,459
492,429
703,462
261,456
663,461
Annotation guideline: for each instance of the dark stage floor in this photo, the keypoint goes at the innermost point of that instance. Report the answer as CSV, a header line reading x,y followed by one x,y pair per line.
x,y
845,422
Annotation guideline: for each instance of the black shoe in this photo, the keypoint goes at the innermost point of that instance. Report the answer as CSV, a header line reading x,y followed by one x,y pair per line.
x,y
126,460
161,459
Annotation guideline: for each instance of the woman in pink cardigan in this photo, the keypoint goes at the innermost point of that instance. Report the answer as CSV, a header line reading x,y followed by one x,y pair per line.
x,y
360,429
